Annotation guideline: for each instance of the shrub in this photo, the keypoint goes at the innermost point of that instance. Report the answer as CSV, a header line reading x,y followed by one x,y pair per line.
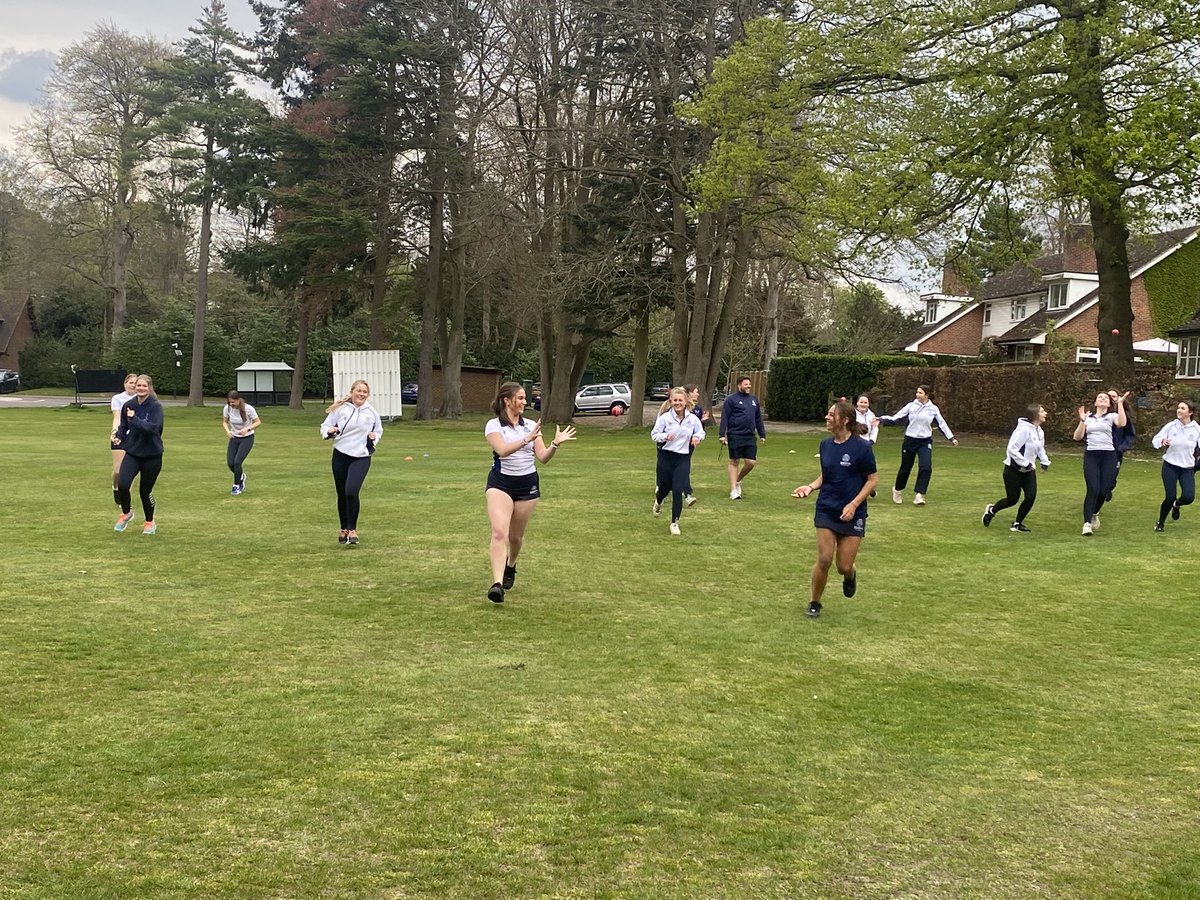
x,y
801,386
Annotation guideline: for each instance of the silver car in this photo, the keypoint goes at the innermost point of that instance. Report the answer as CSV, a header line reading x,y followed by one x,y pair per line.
x,y
612,399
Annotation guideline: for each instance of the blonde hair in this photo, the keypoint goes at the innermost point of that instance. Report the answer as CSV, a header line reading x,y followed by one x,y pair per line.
x,y
687,401
150,383
131,376
338,404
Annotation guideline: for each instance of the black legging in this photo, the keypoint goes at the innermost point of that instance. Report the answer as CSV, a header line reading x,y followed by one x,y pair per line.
x,y
149,467
674,470
1185,478
915,449
1016,481
236,453
349,473
1099,473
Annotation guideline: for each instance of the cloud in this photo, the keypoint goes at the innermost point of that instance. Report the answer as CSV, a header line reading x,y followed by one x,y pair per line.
x,y
22,74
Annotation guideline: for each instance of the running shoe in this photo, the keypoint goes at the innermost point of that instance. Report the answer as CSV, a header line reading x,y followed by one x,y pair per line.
x,y
1087,529
510,577
149,528
918,500
352,537
1019,528
674,528
237,489
123,521
658,507
897,496
1095,523
343,536
814,609
988,515
1175,512
850,584
1158,527
496,593
690,500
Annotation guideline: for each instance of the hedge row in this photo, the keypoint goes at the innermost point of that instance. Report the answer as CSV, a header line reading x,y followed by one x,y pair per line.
x,y
801,386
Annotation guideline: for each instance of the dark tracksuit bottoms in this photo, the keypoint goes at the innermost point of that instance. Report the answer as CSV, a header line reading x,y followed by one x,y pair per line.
x,y
674,470
1016,481
1173,476
1099,472
236,453
149,467
349,473
920,449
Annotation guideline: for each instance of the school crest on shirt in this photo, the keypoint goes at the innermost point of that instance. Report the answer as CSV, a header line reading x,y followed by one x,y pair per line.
x,y
845,460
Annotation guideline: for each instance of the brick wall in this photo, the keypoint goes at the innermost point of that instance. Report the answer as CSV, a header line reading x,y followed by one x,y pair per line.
x,y
1084,327
962,338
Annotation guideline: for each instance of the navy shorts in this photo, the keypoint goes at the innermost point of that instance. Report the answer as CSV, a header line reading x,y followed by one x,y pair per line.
x,y
519,487
743,448
856,527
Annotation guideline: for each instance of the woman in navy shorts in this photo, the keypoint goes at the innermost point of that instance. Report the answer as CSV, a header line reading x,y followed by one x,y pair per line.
x,y
847,478
512,483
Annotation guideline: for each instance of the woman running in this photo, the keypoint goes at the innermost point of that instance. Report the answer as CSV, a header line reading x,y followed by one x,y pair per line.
x,y
866,417
512,483
676,432
239,420
118,401
847,477
355,428
921,413
1180,438
1099,457
1026,448
140,436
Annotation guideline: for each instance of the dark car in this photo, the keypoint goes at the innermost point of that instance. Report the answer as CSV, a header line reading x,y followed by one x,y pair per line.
x,y
10,381
408,392
660,390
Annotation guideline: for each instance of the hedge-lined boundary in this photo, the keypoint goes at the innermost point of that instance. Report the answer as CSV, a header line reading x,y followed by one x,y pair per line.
x,y
802,385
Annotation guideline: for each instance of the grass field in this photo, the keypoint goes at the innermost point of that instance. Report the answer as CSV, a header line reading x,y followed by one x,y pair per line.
x,y
240,707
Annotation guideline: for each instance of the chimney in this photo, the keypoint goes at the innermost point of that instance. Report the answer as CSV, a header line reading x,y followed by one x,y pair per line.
x,y
953,284
1079,252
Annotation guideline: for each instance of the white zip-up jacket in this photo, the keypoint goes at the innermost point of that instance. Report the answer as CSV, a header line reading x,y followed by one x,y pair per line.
x,y
1026,446
682,432
354,423
870,420
921,417
1183,440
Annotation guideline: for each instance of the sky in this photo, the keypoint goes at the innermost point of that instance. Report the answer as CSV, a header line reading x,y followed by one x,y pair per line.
x,y
32,34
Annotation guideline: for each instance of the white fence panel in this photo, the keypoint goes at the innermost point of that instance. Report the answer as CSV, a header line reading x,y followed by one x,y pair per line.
x,y
378,368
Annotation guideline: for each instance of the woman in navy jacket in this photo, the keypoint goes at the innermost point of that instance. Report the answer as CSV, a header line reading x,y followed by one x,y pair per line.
x,y
140,436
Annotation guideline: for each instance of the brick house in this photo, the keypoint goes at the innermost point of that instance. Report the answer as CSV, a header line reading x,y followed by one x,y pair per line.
x,y
1014,309
1188,357
15,328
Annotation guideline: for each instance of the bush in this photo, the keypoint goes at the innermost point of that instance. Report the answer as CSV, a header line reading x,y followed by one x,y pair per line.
x,y
46,361
801,386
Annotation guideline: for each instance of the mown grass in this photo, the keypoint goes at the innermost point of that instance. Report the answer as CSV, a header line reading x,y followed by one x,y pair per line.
x,y
239,707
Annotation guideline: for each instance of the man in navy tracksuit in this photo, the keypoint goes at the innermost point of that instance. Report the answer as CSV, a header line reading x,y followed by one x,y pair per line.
x,y
741,418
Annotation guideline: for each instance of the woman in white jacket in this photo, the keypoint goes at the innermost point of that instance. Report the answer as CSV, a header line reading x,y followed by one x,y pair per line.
x,y
1180,439
922,414
1026,448
355,428
676,432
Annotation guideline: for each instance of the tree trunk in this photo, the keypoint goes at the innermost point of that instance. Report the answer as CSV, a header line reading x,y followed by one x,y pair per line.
x,y
770,343
296,400
196,383
641,360
454,170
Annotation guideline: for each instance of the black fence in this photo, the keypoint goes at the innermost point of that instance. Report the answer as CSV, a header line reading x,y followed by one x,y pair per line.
x,y
98,381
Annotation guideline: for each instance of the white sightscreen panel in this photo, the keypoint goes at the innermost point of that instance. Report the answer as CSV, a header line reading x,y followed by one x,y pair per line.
x,y
378,368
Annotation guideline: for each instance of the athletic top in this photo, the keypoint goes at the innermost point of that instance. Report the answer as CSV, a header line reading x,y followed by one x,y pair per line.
x,y
1026,446
921,417
354,423
683,432
519,462
237,423
1098,431
844,471
871,420
1184,440
741,416
141,433
119,400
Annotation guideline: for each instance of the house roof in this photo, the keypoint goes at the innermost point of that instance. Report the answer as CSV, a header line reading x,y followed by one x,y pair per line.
x,y
1191,326
12,304
1143,253
1022,278
263,367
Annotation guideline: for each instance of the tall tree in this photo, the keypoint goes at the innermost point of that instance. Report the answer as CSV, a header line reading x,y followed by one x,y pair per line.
x,y
1001,238
209,120
892,122
93,136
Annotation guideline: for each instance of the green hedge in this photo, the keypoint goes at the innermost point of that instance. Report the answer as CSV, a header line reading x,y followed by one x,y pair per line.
x,y
802,385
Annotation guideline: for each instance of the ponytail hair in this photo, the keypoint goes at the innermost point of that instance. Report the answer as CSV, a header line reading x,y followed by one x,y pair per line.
x,y
338,404
507,391
844,410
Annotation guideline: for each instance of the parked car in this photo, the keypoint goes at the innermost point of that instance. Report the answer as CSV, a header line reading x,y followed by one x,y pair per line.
x,y
660,390
613,399
408,392
10,381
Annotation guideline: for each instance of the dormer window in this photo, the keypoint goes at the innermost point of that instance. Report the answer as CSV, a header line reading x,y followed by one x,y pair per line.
x,y
1058,295
930,311
1018,310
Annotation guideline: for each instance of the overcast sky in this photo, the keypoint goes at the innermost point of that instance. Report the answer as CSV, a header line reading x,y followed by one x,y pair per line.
x,y
32,34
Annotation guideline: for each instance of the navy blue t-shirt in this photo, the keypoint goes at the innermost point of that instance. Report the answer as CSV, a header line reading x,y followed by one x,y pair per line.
x,y
844,471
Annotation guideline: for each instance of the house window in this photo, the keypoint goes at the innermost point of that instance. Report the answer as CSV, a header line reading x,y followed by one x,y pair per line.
x,y
1018,310
987,313
1058,295
1023,352
1189,357
930,311
1087,354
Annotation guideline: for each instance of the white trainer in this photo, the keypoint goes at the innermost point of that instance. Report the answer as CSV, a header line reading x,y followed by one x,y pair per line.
x,y
897,497
674,528
1095,523
736,493
657,508
919,500
689,500
1087,529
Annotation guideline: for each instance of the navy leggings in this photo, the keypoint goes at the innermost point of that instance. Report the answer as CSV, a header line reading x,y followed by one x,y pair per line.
x,y
1099,474
674,470
149,468
1016,481
236,453
1173,476
349,473
920,450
